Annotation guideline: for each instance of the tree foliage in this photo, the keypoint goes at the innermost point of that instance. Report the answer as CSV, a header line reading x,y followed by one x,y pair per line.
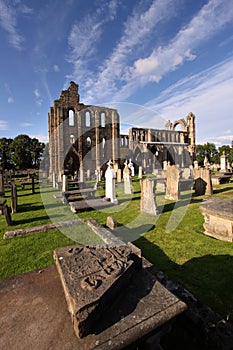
x,y
21,153
212,153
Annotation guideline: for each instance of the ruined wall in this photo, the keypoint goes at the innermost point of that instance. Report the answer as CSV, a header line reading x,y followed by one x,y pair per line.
x,y
81,137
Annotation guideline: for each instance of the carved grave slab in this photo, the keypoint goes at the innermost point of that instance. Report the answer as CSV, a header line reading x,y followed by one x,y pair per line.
x,y
92,278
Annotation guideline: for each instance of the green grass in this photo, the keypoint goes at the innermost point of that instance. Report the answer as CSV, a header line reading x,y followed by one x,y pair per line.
x,y
201,264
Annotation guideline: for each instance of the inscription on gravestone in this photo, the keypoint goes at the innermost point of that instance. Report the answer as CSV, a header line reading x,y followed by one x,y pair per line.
x,y
92,277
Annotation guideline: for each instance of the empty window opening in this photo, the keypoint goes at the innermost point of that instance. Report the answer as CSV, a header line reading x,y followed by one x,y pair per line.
x,y
88,119
102,119
71,117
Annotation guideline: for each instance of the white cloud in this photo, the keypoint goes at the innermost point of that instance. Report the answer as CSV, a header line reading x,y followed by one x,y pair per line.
x,y
208,95
56,68
26,124
8,22
211,18
120,76
39,99
136,31
10,99
3,125
41,138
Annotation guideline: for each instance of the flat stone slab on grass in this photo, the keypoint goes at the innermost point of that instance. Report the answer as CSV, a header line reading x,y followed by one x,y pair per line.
x,y
34,313
92,277
41,228
219,219
97,203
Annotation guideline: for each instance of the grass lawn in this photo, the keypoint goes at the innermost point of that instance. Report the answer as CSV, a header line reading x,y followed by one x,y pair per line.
x,y
201,264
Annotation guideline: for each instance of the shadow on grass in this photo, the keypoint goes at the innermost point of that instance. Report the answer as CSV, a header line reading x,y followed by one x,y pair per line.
x,y
220,190
44,218
209,278
29,207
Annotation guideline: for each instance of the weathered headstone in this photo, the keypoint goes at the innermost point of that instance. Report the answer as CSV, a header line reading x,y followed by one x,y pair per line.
x,y
6,211
92,278
119,175
64,183
131,167
54,179
195,163
14,198
172,182
165,164
140,172
127,180
110,186
148,198
203,183
111,222
224,161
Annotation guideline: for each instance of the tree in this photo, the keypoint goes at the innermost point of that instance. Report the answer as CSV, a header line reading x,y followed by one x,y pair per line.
x,y
228,152
26,152
5,155
209,150
37,148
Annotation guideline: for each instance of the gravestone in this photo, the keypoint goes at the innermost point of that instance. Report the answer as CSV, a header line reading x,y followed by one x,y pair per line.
x,y
2,192
172,183
140,172
54,180
111,222
165,165
131,167
119,175
195,163
127,179
6,211
110,186
92,277
148,198
14,198
64,183
223,162
218,216
202,181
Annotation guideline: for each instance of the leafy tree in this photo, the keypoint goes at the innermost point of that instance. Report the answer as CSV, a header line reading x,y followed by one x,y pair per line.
x,y
37,148
5,154
209,150
228,152
26,152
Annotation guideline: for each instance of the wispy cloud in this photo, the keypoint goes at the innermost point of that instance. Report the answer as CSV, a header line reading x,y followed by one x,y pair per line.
x,y
136,30
126,69
211,18
84,38
207,94
10,98
26,124
3,125
56,68
38,97
8,22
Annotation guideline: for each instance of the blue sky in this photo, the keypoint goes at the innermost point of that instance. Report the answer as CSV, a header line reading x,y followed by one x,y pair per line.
x,y
168,57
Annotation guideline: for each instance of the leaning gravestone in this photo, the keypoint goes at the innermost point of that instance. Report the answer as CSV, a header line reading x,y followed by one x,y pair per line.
x,y
148,198
172,182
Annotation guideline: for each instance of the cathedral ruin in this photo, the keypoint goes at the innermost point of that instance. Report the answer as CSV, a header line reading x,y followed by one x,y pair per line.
x,y
84,137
